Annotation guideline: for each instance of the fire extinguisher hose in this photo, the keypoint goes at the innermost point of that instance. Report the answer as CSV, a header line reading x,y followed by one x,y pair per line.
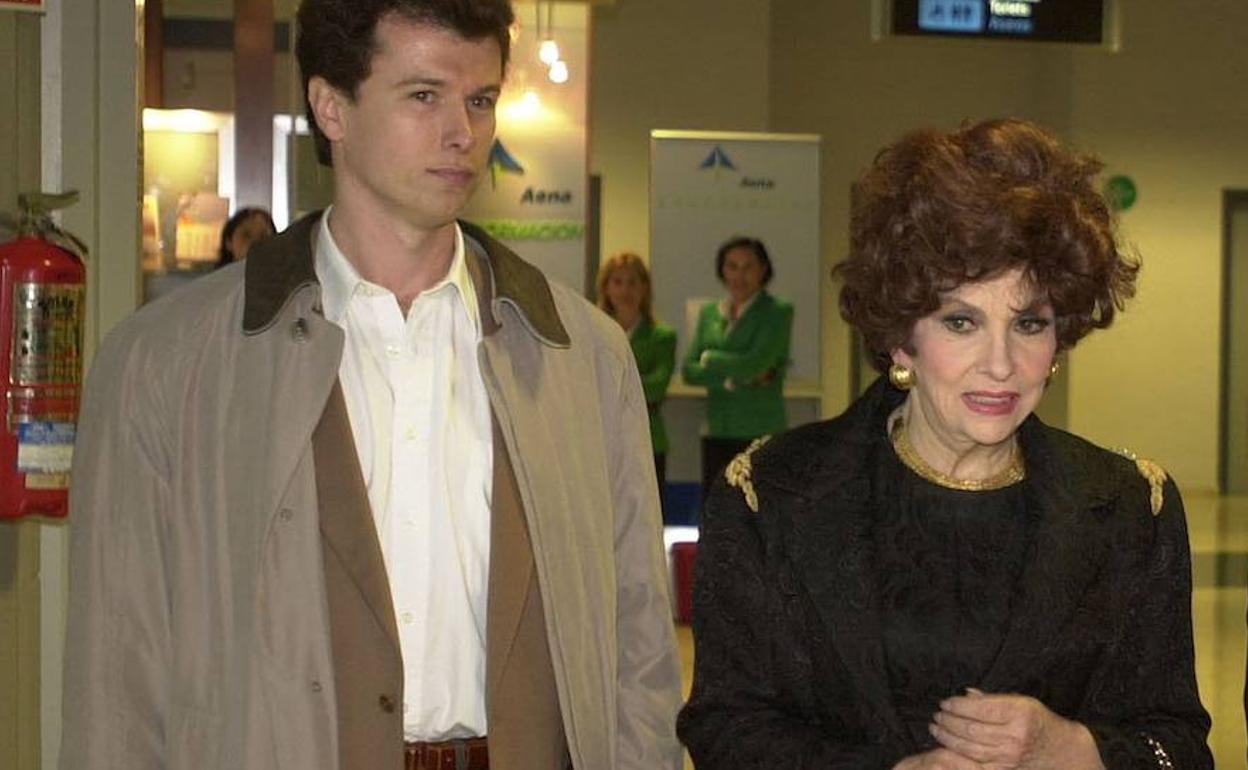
x,y
34,218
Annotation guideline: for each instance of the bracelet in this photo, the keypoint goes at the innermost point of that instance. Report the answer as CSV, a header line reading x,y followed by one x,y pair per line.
x,y
1159,752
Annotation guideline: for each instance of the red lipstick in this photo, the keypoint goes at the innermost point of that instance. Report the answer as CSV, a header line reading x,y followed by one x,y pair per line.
x,y
991,403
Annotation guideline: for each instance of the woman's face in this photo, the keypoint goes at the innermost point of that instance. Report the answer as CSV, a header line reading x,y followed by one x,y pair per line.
x,y
980,362
625,291
743,273
250,230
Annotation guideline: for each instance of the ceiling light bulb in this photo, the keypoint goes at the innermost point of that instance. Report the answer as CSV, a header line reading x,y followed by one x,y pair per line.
x,y
548,52
559,72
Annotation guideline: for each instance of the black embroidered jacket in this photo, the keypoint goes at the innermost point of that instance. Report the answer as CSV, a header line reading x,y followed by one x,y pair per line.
x,y
790,670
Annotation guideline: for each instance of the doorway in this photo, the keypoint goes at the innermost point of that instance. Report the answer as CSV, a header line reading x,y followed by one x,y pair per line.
x,y
1233,417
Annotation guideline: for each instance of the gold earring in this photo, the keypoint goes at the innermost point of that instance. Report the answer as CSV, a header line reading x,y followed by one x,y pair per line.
x,y
1053,369
901,377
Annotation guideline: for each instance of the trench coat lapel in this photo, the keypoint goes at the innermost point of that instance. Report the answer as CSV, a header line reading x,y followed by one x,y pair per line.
x,y
294,343
511,549
285,341
274,420
1063,561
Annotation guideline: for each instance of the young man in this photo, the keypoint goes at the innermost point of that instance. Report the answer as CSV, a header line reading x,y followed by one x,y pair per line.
x,y
381,496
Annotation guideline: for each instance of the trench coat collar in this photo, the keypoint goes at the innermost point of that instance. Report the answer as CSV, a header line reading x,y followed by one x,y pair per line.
x,y
830,473
279,266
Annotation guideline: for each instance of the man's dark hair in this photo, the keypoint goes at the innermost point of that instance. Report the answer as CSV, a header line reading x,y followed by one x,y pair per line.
x,y
337,39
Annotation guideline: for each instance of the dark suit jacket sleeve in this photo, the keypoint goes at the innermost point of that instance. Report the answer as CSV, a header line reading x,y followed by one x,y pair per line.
x,y
1148,689
752,688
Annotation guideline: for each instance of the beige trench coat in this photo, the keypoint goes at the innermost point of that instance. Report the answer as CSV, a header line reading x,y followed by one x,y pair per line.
x,y
198,632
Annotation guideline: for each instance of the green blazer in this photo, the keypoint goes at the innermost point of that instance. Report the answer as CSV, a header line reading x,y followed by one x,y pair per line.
x,y
654,347
743,369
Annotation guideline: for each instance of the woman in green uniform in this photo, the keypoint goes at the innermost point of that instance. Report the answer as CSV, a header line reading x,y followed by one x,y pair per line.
x,y
624,293
740,351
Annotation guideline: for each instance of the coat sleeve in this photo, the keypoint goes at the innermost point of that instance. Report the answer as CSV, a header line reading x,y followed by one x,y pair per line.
x,y
117,652
1144,707
752,706
768,350
648,667
655,379
692,369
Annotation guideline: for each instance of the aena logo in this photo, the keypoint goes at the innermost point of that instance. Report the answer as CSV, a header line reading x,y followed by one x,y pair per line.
x,y
502,161
718,159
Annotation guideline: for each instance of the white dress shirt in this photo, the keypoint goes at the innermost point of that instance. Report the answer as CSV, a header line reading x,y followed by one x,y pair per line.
x,y
421,421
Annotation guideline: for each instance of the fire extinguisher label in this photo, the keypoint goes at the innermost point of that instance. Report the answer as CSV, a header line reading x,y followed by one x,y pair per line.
x,y
45,447
47,333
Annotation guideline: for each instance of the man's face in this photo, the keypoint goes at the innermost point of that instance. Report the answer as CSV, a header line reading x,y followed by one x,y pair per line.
x,y
414,140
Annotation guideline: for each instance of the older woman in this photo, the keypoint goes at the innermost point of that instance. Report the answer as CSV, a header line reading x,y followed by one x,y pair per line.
x,y
624,293
935,578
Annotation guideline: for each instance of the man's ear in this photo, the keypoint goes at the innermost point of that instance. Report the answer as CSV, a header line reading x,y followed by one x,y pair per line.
x,y
328,106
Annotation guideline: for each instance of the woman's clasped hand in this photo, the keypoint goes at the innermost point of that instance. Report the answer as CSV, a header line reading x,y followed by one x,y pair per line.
x,y
1004,732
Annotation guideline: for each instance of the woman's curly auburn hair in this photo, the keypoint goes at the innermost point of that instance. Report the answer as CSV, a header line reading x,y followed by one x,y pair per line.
x,y
938,210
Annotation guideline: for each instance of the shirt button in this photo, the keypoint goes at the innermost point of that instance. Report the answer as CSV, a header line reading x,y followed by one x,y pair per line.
x,y
407,618
386,703
392,350
316,686
287,514
410,434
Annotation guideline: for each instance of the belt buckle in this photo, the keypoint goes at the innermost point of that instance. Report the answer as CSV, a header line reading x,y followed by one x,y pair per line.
x,y
452,754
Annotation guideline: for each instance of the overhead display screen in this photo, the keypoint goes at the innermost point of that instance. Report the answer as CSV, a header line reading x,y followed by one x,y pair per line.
x,y
1060,21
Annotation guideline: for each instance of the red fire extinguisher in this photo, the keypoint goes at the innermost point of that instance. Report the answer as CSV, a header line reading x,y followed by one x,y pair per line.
x,y
42,299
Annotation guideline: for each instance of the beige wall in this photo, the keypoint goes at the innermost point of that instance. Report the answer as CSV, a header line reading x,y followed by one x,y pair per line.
x,y
19,541
1171,111
1168,109
831,78
693,64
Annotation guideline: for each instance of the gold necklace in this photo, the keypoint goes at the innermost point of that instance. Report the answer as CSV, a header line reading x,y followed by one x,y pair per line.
x,y
1012,474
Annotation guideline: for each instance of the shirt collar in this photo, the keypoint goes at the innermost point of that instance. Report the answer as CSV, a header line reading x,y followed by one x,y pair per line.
x,y
284,265
340,280
725,306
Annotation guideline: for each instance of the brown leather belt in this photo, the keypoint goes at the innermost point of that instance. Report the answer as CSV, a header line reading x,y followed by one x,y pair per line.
x,y
463,754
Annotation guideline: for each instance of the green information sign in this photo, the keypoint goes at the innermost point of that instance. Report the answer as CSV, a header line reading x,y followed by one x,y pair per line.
x,y
533,229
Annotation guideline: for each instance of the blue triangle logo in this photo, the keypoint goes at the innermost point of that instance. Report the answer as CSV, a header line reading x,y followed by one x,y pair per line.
x,y
502,160
717,159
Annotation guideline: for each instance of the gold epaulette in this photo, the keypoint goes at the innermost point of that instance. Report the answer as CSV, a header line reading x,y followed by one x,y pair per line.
x,y
738,473
1154,473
